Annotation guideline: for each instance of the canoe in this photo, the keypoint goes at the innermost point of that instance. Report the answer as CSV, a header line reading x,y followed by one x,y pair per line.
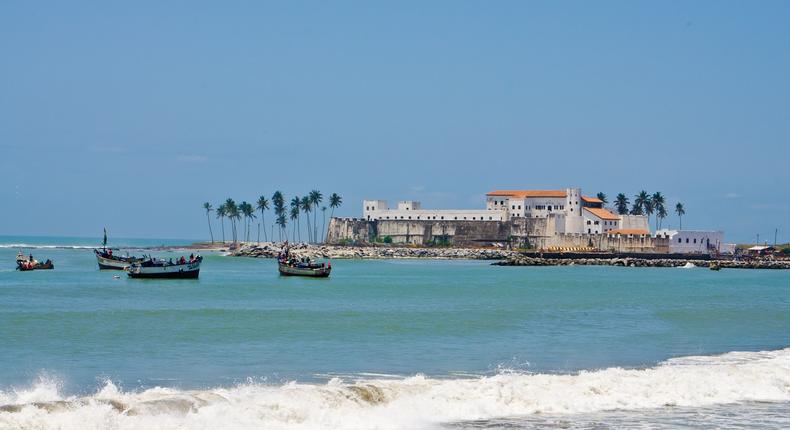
x,y
312,270
160,269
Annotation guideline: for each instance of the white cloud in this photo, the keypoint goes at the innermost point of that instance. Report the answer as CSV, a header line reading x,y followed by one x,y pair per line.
x,y
732,195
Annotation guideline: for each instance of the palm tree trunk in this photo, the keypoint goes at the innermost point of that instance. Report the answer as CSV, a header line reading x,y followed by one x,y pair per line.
x,y
323,228
309,233
222,220
209,228
263,221
259,233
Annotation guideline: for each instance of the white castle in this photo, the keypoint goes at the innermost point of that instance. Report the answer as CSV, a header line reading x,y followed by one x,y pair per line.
x,y
570,211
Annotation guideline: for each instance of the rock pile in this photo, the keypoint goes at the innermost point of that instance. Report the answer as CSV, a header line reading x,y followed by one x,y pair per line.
x,y
271,250
521,260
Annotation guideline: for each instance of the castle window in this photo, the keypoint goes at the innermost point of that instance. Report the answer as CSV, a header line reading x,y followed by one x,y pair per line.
x,y
695,240
442,217
367,208
687,240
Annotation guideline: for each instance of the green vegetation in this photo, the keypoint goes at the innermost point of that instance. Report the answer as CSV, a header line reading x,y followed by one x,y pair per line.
x,y
282,214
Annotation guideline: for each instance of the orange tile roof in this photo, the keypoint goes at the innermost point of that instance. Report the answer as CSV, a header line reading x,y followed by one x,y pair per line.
x,y
589,199
602,213
521,194
634,231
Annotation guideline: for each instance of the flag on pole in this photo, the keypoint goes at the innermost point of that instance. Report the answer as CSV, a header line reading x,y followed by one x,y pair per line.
x,y
104,242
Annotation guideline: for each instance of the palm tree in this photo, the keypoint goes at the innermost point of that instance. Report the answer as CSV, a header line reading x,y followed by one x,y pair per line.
x,y
323,227
262,205
294,217
208,208
315,199
680,211
249,214
640,201
602,197
658,203
232,212
278,200
281,221
621,203
662,213
307,206
296,202
334,202
221,212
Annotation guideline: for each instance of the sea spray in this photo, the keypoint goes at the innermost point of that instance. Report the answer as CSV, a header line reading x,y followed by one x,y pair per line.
x,y
413,402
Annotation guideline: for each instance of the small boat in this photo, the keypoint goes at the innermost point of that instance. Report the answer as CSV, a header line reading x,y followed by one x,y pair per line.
x,y
314,270
162,269
108,261
289,265
25,264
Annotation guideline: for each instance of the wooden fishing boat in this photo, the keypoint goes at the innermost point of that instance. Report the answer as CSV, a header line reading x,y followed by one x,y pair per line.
x,y
25,264
108,261
154,268
314,270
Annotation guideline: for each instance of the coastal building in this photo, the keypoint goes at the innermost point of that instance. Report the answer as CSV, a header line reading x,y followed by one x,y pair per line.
x,y
373,210
572,212
535,219
696,241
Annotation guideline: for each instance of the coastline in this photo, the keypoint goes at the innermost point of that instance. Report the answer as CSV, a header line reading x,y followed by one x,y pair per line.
x,y
523,260
313,251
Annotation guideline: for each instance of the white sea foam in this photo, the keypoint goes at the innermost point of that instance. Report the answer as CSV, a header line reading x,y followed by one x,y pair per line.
x,y
414,402
54,246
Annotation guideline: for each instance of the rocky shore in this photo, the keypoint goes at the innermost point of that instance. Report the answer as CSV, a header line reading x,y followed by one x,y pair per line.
x,y
271,250
521,260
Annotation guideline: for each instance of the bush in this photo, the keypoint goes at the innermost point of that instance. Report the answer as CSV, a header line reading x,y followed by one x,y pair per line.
x,y
387,239
786,251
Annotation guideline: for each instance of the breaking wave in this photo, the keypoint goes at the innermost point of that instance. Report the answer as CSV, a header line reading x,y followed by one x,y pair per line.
x,y
39,246
413,402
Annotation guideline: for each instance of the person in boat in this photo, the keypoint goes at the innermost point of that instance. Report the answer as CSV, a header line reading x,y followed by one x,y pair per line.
x,y
171,261
109,252
31,258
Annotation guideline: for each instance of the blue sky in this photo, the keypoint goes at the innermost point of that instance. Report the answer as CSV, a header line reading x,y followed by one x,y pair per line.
x,y
131,115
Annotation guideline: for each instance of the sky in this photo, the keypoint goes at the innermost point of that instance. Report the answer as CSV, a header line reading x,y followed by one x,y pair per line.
x,y
130,115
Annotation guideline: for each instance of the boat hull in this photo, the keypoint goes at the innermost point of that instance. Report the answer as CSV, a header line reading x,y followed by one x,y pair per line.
x,y
115,263
318,272
174,271
39,266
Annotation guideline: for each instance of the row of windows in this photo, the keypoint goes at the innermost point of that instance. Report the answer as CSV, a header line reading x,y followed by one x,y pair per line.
x,y
695,240
441,218
604,223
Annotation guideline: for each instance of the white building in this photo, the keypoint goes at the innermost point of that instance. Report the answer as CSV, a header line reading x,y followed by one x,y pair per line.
x,y
411,210
696,241
573,212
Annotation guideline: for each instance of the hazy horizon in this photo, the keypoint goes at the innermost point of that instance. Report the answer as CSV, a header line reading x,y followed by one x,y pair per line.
x,y
130,116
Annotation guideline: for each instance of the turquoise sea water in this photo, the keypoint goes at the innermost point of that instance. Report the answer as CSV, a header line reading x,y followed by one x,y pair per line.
x,y
392,344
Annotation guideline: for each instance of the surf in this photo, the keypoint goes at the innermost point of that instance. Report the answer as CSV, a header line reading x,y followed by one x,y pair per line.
x,y
409,402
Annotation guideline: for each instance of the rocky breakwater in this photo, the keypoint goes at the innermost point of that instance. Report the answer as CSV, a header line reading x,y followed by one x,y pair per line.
x,y
523,260
271,250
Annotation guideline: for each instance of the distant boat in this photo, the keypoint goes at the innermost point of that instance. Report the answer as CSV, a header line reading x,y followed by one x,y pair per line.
x,y
161,269
314,270
25,264
108,261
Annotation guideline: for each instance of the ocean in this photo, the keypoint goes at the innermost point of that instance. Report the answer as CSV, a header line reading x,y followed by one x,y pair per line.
x,y
388,344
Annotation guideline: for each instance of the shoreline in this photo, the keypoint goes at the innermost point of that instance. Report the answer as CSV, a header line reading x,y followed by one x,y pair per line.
x,y
526,261
337,252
